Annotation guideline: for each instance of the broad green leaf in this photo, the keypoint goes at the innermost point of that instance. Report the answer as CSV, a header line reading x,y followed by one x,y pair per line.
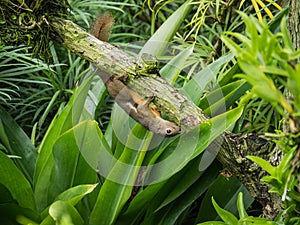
x,y
64,213
139,204
160,40
194,88
263,86
25,220
225,192
286,161
275,23
75,194
226,216
175,205
274,70
13,179
228,76
11,211
71,196
265,165
70,167
219,100
118,185
69,117
252,26
194,142
173,68
189,175
18,143
293,82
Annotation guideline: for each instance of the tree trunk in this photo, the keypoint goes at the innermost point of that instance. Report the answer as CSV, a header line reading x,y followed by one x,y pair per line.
x,y
294,22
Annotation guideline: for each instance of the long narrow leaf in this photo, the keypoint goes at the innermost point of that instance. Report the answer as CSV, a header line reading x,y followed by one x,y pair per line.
x,y
171,71
157,44
117,187
194,88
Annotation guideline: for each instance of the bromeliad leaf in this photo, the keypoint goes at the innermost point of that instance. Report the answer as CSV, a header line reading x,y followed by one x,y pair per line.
x,y
64,213
226,216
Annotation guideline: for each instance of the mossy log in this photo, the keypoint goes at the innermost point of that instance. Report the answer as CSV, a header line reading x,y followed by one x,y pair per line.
x,y
115,62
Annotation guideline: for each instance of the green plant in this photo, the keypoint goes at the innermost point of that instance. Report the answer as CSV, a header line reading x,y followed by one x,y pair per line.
x,y
68,159
141,179
230,219
61,186
35,90
269,63
263,57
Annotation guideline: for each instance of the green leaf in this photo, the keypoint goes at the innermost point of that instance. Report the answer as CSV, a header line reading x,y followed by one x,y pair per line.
x,y
274,70
24,220
286,35
240,206
286,161
263,86
188,176
265,165
64,213
225,191
75,194
179,200
258,221
18,143
118,185
11,211
212,223
226,216
194,88
71,196
173,68
235,48
13,179
140,203
160,40
194,142
219,100
252,26
70,167
69,117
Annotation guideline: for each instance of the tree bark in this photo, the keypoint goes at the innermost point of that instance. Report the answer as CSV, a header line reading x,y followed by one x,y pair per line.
x,y
233,148
294,22
115,62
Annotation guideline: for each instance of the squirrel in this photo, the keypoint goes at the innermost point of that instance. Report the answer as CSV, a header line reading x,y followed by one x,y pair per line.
x,y
130,101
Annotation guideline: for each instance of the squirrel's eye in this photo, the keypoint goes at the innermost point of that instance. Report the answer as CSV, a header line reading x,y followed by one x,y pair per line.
x,y
168,130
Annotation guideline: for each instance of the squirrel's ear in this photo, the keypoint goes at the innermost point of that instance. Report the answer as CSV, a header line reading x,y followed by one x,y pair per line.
x,y
102,25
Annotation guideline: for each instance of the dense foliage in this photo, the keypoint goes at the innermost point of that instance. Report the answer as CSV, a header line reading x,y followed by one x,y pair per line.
x,y
66,156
